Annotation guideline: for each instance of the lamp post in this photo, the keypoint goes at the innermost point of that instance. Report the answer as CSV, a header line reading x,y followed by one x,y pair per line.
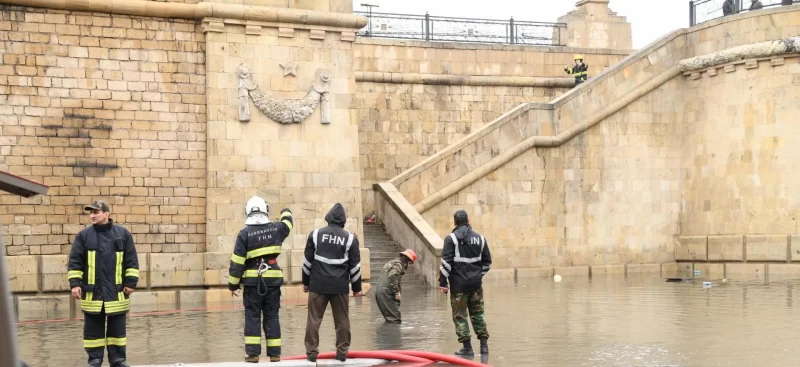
x,y
370,6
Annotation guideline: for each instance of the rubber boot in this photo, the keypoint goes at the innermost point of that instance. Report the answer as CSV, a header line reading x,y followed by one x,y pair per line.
x,y
251,359
466,350
484,345
341,357
312,357
95,363
120,363
274,358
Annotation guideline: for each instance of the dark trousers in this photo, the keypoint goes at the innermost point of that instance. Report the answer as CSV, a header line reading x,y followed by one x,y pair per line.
x,y
96,337
254,305
317,303
389,305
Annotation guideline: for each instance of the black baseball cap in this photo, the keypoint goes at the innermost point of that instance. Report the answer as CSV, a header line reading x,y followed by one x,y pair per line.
x,y
98,205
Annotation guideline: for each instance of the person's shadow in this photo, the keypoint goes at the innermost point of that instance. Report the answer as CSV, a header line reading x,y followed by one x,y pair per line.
x,y
388,336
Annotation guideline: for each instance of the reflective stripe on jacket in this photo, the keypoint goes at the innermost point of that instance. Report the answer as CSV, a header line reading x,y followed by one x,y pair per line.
x,y
332,262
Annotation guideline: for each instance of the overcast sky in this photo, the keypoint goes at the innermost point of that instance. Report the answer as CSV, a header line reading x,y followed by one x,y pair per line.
x,y
650,19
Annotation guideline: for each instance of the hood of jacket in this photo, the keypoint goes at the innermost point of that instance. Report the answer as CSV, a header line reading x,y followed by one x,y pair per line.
x,y
336,216
461,231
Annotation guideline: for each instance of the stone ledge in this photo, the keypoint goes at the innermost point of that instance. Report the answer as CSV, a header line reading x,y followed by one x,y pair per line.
x,y
691,248
730,67
201,10
744,54
489,47
473,80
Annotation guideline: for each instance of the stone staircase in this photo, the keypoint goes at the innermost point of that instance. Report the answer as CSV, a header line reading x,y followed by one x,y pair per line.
x,y
382,249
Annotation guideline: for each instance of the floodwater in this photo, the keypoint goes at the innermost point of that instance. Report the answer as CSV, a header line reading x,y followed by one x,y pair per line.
x,y
640,321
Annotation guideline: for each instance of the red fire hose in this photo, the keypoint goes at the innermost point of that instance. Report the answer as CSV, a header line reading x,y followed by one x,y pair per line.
x,y
419,358
438,357
369,354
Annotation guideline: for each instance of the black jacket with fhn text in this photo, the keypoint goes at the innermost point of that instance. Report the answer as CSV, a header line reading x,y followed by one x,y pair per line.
x,y
257,242
332,258
465,260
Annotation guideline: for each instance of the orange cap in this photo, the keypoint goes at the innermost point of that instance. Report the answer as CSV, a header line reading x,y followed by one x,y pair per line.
x,y
410,254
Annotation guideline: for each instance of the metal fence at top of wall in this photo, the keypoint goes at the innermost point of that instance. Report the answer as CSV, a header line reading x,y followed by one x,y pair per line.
x,y
701,11
431,28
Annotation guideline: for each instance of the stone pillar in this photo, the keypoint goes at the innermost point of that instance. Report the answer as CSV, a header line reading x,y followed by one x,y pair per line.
x,y
593,25
280,126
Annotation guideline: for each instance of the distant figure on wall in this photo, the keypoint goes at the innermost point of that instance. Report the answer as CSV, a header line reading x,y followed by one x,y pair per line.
x,y
580,70
786,2
756,5
729,7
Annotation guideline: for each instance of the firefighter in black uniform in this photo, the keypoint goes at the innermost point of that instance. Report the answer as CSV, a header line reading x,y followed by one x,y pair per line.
x,y
254,264
103,271
580,70
465,260
332,264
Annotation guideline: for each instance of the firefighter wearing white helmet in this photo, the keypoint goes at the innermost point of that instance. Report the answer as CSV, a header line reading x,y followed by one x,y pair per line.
x,y
254,265
580,70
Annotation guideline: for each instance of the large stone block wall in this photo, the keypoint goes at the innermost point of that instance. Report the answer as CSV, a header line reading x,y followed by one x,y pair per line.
x,y
102,107
307,166
402,124
658,167
609,196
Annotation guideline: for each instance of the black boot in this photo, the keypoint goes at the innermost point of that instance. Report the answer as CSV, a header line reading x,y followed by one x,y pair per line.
x,y
95,363
484,345
120,363
341,357
466,350
312,357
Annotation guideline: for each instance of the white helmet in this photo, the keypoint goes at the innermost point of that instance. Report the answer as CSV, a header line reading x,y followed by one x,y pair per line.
x,y
256,205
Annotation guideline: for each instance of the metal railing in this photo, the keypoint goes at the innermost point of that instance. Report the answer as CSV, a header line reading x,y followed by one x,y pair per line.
x,y
432,28
704,10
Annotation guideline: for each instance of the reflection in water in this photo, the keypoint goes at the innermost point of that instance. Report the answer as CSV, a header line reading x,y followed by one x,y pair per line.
x,y
602,322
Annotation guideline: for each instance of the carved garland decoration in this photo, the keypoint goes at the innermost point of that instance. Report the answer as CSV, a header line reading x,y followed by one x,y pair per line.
x,y
755,50
284,111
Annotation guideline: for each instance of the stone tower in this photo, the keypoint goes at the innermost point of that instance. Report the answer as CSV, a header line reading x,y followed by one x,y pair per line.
x,y
593,25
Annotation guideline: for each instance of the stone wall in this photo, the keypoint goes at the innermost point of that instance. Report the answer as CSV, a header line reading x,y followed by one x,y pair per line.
x,y
102,107
400,124
638,157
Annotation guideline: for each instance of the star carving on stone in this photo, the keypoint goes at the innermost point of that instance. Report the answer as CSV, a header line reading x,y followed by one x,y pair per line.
x,y
289,68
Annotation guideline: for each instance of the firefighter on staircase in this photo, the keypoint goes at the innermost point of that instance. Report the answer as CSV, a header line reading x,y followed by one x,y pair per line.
x,y
580,70
254,265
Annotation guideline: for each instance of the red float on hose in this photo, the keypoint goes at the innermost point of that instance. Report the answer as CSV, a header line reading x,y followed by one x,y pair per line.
x,y
439,357
369,354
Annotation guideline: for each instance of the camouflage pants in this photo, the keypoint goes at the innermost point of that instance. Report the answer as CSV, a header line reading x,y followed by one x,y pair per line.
x,y
471,301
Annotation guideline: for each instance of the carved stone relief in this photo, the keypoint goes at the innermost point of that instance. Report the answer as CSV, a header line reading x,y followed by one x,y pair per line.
x,y
284,110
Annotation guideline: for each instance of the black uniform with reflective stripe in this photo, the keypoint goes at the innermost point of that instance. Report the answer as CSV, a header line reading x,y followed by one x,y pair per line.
x,y
332,258
102,261
254,243
465,260
580,72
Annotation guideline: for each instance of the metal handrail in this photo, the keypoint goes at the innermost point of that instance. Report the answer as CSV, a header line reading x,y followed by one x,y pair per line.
x,y
701,11
452,29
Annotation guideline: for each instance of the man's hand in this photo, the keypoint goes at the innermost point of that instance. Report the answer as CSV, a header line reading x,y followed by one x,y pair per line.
x,y
235,293
76,292
357,294
444,289
128,291
305,289
397,296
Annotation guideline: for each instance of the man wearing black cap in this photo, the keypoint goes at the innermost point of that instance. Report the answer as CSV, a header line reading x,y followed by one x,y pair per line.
x,y
465,260
103,271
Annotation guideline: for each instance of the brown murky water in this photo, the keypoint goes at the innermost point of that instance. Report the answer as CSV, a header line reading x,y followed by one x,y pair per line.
x,y
602,322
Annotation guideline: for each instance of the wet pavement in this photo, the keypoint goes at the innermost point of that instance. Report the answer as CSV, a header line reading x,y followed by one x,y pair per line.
x,y
639,321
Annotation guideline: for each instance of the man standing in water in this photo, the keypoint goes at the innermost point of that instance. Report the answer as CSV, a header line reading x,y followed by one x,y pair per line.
x,y
332,264
465,260
103,271
388,293
254,265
